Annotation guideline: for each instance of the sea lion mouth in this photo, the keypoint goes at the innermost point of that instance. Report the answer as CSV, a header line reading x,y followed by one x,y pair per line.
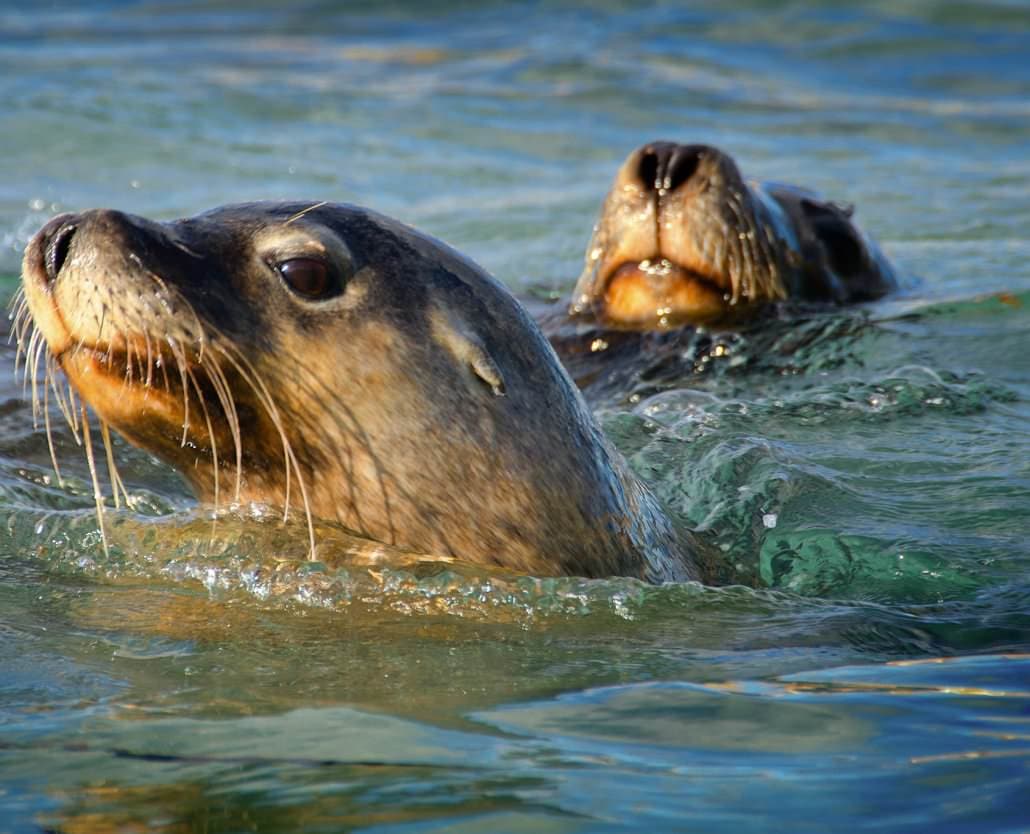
x,y
180,403
658,292
133,371
125,366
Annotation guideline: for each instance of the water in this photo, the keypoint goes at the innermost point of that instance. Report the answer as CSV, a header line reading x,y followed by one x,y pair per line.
x,y
866,473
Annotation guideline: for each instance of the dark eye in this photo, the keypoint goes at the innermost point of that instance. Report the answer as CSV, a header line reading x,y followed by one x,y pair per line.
x,y
308,277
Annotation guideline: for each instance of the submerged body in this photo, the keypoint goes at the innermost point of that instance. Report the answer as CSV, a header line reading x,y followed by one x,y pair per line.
x,y
328,358
683,239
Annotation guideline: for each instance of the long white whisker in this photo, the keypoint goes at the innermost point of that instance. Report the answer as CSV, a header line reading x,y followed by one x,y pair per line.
x,y
49,432
248,373
98,496
150,364
224,393
103,320
30,349
214,448
180,360
210,430
73,406
32,373
53,381
112,470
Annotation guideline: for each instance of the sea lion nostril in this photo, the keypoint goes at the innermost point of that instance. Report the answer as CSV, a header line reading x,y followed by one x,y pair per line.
x,y
665,166
681,167
57,250
647,170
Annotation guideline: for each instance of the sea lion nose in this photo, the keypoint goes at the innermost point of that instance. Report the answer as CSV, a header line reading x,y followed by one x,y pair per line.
x,y
665,166
55,240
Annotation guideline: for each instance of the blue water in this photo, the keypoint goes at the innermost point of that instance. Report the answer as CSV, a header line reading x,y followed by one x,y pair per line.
x,y
866,473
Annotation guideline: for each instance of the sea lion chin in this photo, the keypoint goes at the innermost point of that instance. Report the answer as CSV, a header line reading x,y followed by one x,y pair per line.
x,y
683,239
327,358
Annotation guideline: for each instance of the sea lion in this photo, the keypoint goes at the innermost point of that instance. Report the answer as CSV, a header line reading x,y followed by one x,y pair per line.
x,y
325,357
683,239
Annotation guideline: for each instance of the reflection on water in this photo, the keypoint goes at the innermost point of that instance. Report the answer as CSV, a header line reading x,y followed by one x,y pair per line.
x,y
863,473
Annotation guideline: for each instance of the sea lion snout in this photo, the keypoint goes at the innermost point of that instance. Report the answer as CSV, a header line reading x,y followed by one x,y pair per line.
x,y
87,236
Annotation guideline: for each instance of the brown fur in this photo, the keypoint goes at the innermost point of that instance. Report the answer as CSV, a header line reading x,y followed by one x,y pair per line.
x,y
682,238
420,406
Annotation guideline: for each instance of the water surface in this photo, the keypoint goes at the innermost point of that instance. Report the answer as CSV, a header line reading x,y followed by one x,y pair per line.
x,y
866,473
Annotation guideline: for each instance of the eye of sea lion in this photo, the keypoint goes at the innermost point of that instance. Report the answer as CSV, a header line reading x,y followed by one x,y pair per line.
x,y
309,278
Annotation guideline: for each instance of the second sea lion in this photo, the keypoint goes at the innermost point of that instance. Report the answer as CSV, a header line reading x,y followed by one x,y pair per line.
x,y
683,239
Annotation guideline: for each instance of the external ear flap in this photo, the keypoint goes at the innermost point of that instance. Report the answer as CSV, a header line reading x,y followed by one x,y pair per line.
x,y
483,367
834,230
465,346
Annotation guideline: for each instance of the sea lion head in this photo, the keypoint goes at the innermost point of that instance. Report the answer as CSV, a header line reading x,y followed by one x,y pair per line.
x,y
683,239
326,357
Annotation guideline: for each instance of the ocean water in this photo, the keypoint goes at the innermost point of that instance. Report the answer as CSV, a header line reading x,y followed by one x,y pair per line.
x,y
864,663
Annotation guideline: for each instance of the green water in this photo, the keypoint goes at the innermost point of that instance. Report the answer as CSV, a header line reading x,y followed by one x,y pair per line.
x,y
866,473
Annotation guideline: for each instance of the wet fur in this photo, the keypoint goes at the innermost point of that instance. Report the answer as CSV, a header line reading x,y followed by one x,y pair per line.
x,y
422,408
702,245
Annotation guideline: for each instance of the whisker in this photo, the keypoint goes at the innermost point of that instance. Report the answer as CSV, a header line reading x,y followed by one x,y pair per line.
x,y
180,360
301,213
164,376
14,305
53,381
250,375
37,353
150,364
21,321
112,470
224,393
72,409
218,381
15,311
100,327
214,448
34,340
739,278
98,497
210,429
265,400
60,397
128,362
50,434
169,297
765,278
